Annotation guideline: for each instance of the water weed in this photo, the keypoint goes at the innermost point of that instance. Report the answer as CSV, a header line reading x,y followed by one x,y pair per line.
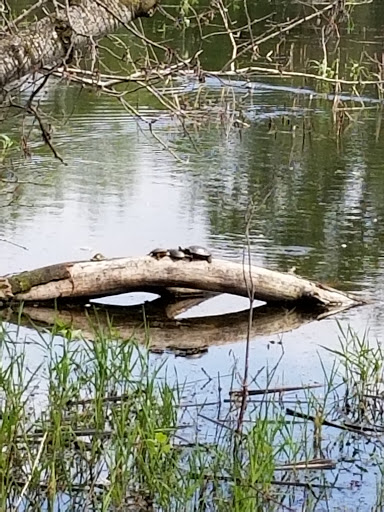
x,y
109,431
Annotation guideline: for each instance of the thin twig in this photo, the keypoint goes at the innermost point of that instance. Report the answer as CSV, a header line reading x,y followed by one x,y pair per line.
x,y
224,15
361,429
282,73
250,285
27,12
280,31
283,389
307,464
44,132
26,485
307,485
13,243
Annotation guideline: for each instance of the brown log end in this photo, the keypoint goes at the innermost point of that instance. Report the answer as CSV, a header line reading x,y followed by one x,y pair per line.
x,y
24,281
5,289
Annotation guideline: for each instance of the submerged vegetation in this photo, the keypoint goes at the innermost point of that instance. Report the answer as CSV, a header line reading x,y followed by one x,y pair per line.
x,y
98,425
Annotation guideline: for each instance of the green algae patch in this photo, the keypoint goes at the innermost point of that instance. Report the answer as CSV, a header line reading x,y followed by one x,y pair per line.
x,y
23,282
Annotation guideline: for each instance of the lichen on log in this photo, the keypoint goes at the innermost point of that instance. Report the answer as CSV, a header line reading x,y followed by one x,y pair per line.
x,y
25,281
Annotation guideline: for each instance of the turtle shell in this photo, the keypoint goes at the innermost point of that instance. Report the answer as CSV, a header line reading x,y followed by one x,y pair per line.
x,y
177,254
159,252
191,353
199,252
98,257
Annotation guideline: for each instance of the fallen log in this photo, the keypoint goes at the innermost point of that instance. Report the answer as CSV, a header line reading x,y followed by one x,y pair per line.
x,y
94,279
54,38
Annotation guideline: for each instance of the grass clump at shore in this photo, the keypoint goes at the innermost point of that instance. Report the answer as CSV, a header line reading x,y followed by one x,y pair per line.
x,y
98,425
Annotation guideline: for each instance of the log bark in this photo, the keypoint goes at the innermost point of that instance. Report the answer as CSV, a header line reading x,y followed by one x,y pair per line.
x,y
92,279
51,40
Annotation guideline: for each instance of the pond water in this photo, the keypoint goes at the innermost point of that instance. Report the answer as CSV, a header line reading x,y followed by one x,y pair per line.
x,y
319,197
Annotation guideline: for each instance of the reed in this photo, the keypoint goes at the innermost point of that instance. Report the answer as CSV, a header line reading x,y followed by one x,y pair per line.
x,y
97,424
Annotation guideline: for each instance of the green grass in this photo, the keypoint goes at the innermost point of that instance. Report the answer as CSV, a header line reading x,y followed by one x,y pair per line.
x,y
98,425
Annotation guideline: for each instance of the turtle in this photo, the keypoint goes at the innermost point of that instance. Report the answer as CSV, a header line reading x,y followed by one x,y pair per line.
x,y
8,176
198,253
159,253
98,257
177,254
157,350
191,353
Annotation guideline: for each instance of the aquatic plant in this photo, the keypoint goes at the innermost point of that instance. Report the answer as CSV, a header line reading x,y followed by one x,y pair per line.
x,y
98,424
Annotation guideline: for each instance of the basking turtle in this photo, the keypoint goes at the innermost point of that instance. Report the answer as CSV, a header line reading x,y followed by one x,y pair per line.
x,y
191,353
98,257
159,253
8,176
157,350
177,254
198,253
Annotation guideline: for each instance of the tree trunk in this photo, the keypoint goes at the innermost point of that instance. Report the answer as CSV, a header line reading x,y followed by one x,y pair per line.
x,y
92,279
51,40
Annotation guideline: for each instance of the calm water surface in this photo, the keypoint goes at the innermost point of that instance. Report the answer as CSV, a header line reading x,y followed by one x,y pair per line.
x,y
120,193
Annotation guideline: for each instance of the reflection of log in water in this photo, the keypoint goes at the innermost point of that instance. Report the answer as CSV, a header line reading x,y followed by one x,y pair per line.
x,y
165,333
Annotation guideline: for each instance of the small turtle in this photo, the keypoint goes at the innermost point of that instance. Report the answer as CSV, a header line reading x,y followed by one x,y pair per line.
x,y
98,257
177,254
159,253
157,350
198,253
8,176
191,353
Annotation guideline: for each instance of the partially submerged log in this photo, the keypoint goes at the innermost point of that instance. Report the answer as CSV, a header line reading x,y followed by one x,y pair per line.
x,y
94,279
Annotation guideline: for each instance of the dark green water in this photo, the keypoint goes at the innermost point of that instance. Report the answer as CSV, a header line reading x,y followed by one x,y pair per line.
x,y
121,193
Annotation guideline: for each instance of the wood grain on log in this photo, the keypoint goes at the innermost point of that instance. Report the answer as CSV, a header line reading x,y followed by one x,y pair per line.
x,y
91,279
